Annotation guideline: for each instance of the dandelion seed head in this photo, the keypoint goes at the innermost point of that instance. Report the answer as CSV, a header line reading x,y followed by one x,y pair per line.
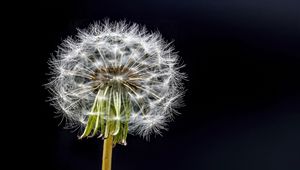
x,y
124,56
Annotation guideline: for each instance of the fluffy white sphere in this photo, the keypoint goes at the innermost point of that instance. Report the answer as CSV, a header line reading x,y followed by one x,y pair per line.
x,y
123,60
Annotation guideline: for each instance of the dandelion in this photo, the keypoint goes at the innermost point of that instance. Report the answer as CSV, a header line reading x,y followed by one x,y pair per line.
x,y
116,78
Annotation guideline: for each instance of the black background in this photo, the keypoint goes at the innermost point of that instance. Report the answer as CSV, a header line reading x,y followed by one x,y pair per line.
x,y
242,102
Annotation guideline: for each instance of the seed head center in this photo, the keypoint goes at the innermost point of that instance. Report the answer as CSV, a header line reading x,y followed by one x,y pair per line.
x,y
117,76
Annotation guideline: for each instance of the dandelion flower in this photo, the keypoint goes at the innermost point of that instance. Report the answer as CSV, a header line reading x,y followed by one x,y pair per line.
x,y
116,78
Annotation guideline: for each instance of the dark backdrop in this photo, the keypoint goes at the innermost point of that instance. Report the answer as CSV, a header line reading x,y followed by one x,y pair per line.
x,y
242,105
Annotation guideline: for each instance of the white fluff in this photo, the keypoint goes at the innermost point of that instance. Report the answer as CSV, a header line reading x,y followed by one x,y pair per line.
x,y
150,66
